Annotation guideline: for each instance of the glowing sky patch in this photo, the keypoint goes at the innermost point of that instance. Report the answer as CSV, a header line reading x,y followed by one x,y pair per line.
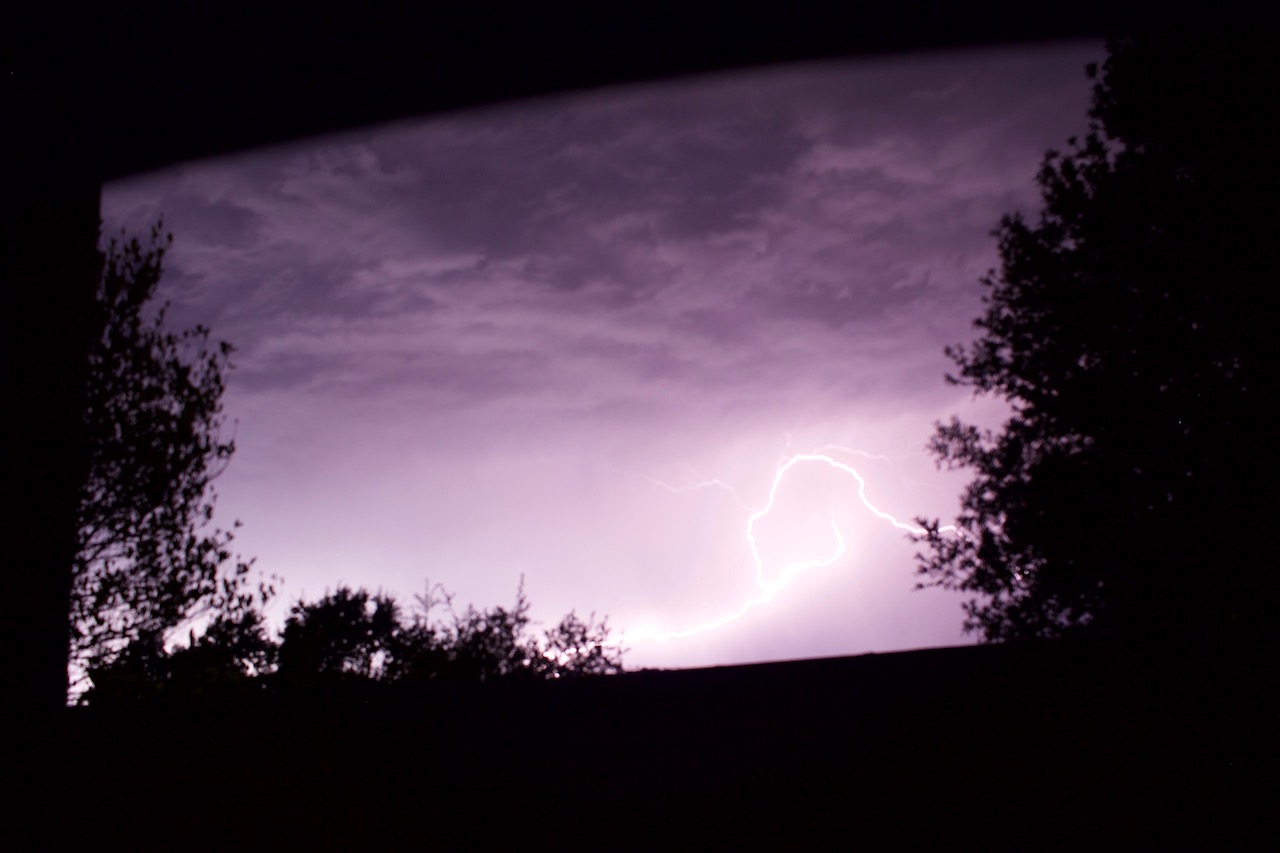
x,y
770,586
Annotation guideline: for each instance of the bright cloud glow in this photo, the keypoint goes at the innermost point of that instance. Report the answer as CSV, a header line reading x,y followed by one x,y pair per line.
x,y
771,585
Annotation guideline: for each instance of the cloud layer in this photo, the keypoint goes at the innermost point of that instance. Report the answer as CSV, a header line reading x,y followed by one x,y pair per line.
x,y
468,346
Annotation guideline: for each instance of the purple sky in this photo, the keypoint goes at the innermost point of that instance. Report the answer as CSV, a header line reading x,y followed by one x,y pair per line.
x,y
513,341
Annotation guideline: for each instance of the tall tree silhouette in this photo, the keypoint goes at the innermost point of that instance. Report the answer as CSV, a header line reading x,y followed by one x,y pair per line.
x,y
1127,330
148,557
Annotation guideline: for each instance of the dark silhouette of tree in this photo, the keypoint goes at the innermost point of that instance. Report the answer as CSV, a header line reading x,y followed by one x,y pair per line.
x,y
148,560
1127,329
476,645
344,633
220,664
354,644
575,647
491,644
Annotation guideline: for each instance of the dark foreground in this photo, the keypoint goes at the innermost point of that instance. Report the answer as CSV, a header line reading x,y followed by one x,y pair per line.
x,y
994,747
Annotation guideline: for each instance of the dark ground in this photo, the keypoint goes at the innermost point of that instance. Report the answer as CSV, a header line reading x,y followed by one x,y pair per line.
x,y
1031,748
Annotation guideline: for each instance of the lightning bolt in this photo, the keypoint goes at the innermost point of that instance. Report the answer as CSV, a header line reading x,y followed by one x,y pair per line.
x,y
770,588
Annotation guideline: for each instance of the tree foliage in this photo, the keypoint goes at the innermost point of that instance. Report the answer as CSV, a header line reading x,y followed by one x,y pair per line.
x,y
1126,328
219,664
354,640
484,645
149,559
346,632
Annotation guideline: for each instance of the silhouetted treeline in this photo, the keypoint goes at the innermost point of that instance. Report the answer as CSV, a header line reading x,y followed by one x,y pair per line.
x,y
354,644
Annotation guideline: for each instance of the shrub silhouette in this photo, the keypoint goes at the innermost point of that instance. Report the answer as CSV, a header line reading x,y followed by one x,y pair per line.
x,y
353,642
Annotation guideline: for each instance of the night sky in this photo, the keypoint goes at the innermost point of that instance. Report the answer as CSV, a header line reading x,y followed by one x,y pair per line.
x,y
574,338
